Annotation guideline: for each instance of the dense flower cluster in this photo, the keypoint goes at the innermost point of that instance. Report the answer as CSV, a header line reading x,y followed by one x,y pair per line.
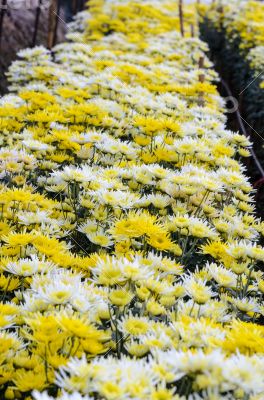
x,y
130,264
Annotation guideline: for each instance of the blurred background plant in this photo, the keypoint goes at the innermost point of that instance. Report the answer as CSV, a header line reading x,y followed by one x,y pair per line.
x,y
235,36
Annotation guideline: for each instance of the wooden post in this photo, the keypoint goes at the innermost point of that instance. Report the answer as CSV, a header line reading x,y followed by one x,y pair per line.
x,y
181,17
56,22
53,23
35,33
192,30
201,62
74,6
2,15
201,102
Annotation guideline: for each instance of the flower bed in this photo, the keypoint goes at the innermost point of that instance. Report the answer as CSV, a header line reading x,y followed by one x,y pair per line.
x,y
129,263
